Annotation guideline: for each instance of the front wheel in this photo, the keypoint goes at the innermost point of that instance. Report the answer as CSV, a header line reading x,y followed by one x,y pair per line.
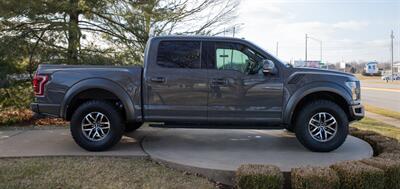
x,y
97,125
321,126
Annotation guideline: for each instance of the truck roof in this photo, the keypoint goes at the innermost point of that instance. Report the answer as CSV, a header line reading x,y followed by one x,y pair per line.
x,y
197,37
213,38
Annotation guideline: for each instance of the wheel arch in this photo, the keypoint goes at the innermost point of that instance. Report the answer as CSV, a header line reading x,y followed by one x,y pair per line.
x,y
96,88
328,91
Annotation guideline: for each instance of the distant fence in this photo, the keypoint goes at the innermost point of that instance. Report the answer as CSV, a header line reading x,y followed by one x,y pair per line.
x,y
10,78
18,77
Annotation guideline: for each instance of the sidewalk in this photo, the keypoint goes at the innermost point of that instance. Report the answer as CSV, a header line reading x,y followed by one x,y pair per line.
x,y
384,119
58,142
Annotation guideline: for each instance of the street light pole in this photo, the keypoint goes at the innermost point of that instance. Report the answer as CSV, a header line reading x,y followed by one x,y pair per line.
x,y
277,47
320,45
234,28
392,37
320,51
306,49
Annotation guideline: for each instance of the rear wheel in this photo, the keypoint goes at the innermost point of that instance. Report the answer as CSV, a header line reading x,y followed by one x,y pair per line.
x,y
321,126
96,125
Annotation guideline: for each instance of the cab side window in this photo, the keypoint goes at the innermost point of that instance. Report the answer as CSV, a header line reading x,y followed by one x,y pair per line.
x,y
231,59
231,56
179,54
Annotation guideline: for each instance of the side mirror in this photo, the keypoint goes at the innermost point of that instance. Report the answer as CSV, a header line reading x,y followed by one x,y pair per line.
x,y
268,67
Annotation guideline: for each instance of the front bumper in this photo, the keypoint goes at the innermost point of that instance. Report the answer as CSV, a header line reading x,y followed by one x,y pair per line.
x,y
357,111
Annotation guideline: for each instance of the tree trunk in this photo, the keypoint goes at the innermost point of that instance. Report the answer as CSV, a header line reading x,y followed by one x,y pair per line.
x,y
74,33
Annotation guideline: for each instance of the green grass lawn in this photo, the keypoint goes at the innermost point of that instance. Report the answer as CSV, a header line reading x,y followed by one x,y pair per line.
x,y
93,172
382,111
377,126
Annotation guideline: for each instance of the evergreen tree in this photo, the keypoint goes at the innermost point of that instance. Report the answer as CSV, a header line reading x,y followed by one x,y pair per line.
x,y
99,32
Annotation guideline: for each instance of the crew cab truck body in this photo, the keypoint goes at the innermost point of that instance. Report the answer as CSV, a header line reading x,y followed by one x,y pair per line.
x,y
200,82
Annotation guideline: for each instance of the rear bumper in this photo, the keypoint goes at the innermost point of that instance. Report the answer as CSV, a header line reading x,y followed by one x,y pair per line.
x,y
357,111
46,109
35,107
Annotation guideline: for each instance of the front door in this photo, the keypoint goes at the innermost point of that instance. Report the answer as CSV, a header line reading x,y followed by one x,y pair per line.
x,y
239,90
175,85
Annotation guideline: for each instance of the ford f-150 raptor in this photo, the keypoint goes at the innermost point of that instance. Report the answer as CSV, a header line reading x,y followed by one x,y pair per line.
x,y
200,82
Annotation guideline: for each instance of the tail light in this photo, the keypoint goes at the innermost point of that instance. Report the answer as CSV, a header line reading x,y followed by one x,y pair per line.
x,y
38,84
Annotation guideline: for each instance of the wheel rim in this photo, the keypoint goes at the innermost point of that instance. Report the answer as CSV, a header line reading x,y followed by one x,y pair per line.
x,y
322,127
95,126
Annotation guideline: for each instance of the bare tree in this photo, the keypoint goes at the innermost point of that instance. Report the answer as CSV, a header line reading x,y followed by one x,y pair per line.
x,y
87,31
129,24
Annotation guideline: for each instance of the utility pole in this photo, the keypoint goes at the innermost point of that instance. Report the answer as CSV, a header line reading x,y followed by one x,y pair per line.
x,y
234,28
277,47
320,51
391,38
305,59
320,46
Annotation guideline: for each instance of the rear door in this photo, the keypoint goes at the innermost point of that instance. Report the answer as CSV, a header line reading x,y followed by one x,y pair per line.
x,y
175,85
239,90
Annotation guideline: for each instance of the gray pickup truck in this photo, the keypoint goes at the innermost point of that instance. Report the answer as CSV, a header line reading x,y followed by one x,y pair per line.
x,y
200,82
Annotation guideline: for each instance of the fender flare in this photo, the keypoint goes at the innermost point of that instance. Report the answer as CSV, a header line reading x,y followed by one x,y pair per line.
x,y
313,87
99,83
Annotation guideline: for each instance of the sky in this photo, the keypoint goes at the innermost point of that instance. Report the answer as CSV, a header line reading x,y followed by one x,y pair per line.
x,y
350,30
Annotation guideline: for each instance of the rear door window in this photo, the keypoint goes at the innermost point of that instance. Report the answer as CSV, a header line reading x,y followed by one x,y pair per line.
x,y
179,54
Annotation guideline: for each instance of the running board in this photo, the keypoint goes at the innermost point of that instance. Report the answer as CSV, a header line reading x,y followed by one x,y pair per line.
x,y
208,126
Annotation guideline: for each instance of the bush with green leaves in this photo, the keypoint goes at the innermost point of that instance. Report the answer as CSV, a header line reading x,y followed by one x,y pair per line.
x,y
19,95
253,176
314,178
355,174
391,169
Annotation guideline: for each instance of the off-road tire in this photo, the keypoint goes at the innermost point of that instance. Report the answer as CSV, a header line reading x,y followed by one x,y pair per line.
x,y
305,115
116,125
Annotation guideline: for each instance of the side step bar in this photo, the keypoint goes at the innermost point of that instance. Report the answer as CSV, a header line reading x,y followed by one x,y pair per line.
x,y
213,126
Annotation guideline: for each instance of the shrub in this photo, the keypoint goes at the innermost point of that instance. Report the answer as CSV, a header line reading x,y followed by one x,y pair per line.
x,y
355,174
390,146
361,133
18,96
391,169
381,143
314,178
394,155
252,176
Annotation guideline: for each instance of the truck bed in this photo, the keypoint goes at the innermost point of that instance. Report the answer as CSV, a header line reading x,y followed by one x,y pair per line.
x,y
67,80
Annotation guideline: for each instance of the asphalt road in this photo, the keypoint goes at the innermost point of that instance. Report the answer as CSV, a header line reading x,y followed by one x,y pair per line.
x,y
381,94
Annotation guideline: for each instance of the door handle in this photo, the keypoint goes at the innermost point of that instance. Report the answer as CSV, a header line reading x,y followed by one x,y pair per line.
x,y
158,79
219,81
